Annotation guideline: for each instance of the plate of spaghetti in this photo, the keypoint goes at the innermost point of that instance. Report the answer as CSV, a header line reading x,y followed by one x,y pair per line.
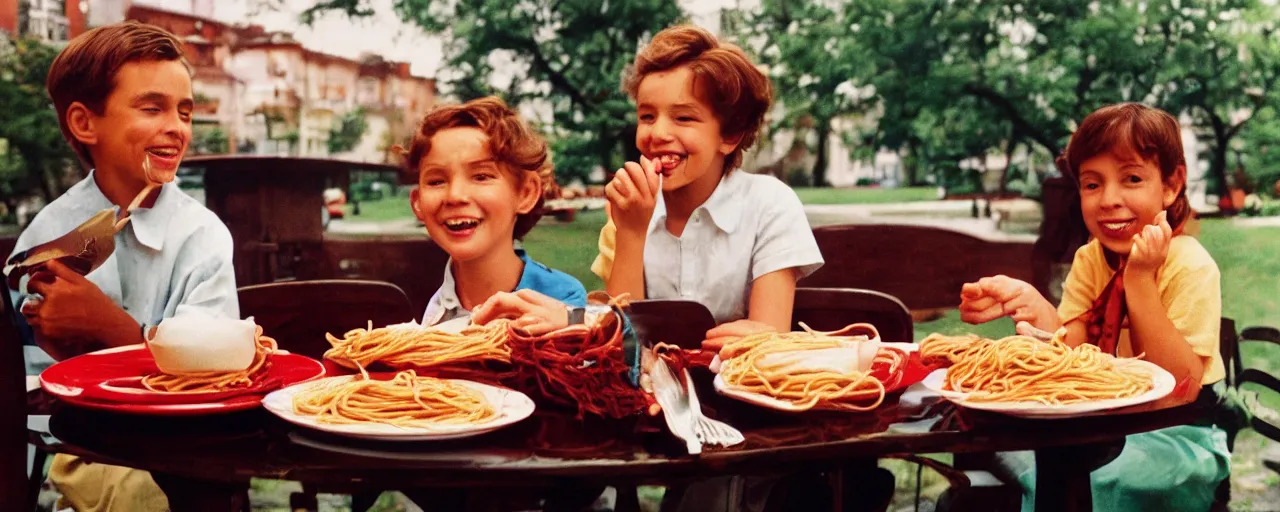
x,y
399,407
413,346
845,370
1024,376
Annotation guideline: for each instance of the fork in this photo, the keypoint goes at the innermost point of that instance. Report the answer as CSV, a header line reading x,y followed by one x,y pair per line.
x,y
675,405
709,431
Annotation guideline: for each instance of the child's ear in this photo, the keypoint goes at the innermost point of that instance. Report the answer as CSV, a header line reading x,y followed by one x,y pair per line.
x,y
82,123
413,203
728,143
1174,185
530,191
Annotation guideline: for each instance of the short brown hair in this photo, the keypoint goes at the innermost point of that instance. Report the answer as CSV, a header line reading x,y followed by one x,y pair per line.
x,y
723,76
511,142
1148,132
85,71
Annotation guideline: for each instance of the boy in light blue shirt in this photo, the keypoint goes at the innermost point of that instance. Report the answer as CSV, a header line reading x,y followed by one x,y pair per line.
x,y
481,176
124,101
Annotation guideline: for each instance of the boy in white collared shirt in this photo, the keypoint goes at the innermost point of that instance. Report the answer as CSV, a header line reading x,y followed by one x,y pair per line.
x,y
123,97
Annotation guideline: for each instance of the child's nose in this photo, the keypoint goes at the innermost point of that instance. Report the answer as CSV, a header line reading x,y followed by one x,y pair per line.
x,y
1111,196
661,130
458,192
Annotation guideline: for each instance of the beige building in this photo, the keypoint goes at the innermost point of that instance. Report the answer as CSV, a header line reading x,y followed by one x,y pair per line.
x,y
268,94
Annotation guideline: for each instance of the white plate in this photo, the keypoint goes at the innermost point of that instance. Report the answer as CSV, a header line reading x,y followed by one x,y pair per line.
x,y
1161,380
512,406
773,403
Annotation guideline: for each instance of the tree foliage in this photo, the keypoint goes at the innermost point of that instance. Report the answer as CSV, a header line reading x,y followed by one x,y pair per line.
x,y
35,158
347,131
568,55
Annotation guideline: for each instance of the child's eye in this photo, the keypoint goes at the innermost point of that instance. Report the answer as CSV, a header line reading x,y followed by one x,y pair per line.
x,y
435,182
686,119
485,177
151,110
646,117
1134,178
1089,186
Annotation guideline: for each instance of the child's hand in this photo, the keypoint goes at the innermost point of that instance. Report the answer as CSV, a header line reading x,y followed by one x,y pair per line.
x,y
529,310
71,307
1000,296
1150,248
633,193
726,332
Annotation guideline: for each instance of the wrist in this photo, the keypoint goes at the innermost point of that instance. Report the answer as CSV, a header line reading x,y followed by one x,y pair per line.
x,y
1139,278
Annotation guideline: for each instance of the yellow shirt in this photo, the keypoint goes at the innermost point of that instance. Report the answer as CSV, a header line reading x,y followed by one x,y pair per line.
x,y
604,261
1189,288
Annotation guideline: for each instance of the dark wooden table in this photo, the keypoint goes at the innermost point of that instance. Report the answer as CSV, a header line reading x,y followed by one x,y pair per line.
x,y
205,459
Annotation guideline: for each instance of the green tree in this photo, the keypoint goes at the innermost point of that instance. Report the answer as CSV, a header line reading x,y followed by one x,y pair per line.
x,y
347,131
1042,65
818,69
568,54
1261,143
1224,71
37,159
210,141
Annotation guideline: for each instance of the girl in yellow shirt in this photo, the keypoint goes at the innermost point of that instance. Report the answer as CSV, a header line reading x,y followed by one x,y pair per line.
x,y
1138,287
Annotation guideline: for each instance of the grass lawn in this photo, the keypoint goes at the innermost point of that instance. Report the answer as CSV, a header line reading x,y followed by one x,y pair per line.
x,y
391,208
866,195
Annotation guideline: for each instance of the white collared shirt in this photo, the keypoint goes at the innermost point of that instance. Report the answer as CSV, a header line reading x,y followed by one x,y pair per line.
x,y
751,225
170,257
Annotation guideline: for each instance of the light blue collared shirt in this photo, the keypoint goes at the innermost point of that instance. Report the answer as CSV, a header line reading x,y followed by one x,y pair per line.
x,y
445,306
171,257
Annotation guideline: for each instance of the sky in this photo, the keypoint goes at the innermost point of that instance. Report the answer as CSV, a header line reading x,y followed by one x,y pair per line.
x,y
383,34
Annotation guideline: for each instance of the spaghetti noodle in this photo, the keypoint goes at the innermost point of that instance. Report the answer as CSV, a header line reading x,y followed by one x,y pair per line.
x,y
1021,368
760,364
410,345
406,400
217,381
579,366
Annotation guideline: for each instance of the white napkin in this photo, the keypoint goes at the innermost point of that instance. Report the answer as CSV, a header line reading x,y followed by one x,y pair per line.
x,y
851,356
196,341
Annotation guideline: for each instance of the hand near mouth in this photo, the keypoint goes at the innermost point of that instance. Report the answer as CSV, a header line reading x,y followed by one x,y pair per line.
x,y
1150,247
633,193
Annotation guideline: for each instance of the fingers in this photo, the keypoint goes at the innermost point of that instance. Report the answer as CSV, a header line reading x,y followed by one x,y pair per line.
x,y
651,175
61,271
971,290
639,179
42,282
31,310
501,305
620,190
982,316
1001,288
1138,250
537,298
715,344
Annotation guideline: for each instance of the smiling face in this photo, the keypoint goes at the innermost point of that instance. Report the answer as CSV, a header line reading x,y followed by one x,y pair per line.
x,y
467,200
1120,194
146,116
679,131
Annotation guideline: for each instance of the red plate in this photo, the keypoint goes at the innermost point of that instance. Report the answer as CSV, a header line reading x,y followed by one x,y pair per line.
x,y
107,380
